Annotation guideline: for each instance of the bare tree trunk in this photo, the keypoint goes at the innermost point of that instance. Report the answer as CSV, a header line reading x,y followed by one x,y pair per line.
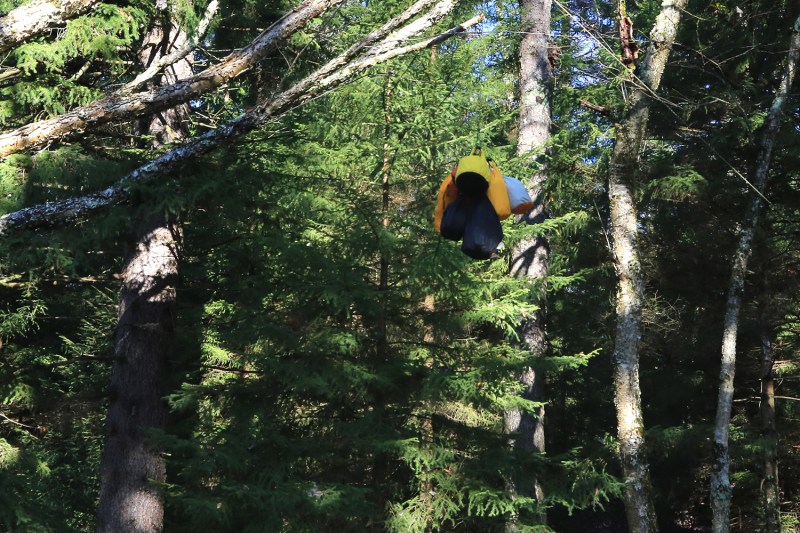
x,y
131,464
630,289
531,256
721,490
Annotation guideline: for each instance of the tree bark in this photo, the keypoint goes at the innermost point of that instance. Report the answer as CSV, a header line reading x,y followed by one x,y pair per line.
x,y
35,18
770,489
177,53
131,464
335,73
530,257
721,490
630,289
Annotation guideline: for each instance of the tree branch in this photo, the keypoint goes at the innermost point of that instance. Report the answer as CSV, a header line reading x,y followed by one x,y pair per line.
x,y
176,55
599,108
323,80
120,106
36,17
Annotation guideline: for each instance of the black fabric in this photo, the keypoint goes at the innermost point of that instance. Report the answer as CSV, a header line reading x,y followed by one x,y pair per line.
x,y
455,218
471,184
483,232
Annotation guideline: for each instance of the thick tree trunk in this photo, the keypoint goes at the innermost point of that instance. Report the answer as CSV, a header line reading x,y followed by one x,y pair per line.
x,y
334,73
721,490
131,464
630,289
531,256
36,17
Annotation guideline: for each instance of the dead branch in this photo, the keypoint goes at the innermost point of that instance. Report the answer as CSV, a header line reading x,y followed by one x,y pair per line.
x,y
627,42
603,110
36,17
320,82
120,106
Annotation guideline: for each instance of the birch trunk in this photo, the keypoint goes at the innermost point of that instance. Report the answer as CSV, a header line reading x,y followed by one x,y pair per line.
x,y
630,132
531,256
721,490
333,74
131,464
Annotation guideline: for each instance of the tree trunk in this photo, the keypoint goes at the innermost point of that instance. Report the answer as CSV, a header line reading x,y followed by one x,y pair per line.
x,y
770,490
531,256
131,464
630,289
721,490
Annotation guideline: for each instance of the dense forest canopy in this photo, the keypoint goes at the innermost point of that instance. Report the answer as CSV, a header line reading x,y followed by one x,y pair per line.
x,y
224,306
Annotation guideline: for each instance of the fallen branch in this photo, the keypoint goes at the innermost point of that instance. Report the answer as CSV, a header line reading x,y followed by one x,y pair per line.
x,y
36,17
325,79
121,106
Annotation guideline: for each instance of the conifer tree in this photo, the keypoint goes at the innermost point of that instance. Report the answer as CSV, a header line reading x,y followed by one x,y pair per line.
x,y
132,465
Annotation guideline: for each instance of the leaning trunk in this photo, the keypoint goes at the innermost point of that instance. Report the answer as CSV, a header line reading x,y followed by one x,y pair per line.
x,y
531,256
630,289
132,466
721,490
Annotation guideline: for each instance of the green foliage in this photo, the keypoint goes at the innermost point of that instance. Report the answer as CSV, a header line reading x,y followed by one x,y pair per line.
x,y
338,365
58,74
685,184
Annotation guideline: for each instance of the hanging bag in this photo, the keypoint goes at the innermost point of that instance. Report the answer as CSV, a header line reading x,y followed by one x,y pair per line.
x,y
448,192
518,197
456,217
483,233
498,192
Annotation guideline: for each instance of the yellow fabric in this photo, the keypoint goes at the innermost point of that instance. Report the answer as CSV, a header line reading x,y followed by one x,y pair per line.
x,y
474,163
498,193
447,195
